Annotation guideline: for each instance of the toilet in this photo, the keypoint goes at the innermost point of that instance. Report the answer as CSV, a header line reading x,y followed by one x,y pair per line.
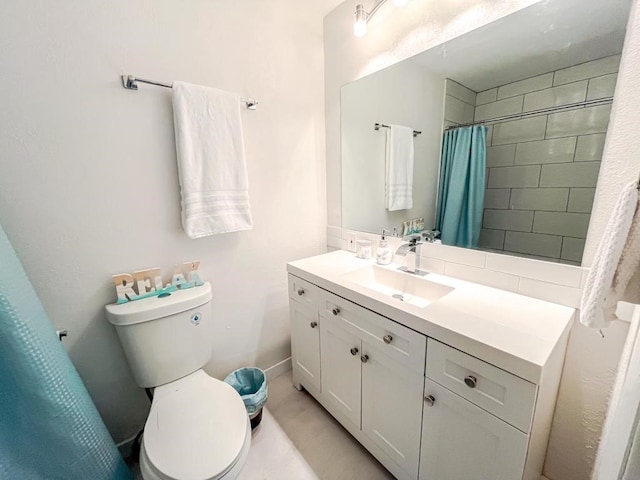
x,y
198,427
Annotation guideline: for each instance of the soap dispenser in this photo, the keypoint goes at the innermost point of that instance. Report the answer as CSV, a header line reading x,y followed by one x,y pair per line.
x,y
383,254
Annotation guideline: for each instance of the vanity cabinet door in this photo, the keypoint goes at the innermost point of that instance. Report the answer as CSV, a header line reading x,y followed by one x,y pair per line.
x,y
462,441
392,407
305,343
341,352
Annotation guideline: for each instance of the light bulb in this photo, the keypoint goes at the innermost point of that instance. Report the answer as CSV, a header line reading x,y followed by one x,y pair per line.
x,y
360,22
400,3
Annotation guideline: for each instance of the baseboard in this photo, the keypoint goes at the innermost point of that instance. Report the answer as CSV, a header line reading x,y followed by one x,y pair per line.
x,y
278,369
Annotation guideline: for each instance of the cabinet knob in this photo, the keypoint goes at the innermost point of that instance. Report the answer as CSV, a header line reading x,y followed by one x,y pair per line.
x,y
387,338
430,400
354,351
313,324
470,381
364,358
300,292
336,311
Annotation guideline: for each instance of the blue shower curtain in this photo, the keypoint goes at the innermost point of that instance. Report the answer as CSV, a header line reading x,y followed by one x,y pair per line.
x,y
49,427
462,184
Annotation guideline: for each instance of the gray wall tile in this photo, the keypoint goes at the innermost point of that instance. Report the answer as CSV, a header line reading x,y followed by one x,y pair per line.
x,y
460,92
551,199
590,147
458,111
491,239
586,70
544,213
516,220
553,97
580,174
525,86
525,130
581,200
496,198
558,223
572,249
602,87
499,108
487,96
514,177
558,150
501,155
578,122
533,244
489,135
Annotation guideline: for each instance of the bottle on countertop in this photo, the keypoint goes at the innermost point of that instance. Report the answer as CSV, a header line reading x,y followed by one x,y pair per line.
x,y
383,253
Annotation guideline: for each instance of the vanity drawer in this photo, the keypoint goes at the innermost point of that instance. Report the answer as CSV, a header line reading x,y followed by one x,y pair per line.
x,y
304,292
501,393
397,341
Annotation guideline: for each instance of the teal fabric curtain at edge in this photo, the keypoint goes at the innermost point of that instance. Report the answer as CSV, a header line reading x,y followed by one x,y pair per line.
x,y
49,426
462,184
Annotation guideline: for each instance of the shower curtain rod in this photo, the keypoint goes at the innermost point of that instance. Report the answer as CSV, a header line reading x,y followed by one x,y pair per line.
x,y
131,83
377,126
535,113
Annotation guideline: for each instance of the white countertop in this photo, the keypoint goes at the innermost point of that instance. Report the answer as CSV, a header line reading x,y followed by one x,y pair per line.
x,y
512,331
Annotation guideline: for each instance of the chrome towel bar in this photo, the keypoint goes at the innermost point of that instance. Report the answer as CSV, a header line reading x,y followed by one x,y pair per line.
x,y
131,83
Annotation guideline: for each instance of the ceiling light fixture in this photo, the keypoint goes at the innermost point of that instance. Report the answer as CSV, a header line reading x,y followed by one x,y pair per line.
x,y
362,17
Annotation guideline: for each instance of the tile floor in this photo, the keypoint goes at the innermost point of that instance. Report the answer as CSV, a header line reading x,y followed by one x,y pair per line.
x,y
298,440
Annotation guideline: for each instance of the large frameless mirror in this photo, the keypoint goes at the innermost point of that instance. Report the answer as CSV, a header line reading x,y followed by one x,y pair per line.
x,y
512,119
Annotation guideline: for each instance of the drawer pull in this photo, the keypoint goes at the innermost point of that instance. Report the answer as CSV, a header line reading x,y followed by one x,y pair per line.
x,y
364,358
354,351
387,339
470,381
336,311
430,400
300,292
313,324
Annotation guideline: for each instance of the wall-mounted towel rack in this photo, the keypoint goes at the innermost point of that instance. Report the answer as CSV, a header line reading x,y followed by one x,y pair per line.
x,y
378,126
130,82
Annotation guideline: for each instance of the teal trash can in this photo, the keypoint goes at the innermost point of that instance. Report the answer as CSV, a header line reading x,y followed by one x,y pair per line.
x,y
251,384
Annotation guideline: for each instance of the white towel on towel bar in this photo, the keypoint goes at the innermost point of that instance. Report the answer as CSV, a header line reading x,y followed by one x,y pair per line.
x,y
598,297
399,168
211,160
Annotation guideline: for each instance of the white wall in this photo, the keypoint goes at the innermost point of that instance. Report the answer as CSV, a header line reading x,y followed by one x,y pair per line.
x,y
89,182
395,34
404,95
591,360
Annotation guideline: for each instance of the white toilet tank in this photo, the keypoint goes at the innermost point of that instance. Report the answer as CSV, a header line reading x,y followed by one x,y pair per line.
x,y
165,337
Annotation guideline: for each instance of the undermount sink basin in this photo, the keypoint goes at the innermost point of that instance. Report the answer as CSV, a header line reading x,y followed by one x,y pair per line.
x,y
402,286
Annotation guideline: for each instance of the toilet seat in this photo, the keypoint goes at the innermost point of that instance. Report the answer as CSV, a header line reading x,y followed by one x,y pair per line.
x,y
197,429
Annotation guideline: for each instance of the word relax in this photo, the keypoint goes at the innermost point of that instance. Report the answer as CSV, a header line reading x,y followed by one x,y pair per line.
x,y
149,282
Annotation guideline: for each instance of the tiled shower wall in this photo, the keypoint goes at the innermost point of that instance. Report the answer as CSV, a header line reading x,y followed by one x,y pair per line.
x,y
542,171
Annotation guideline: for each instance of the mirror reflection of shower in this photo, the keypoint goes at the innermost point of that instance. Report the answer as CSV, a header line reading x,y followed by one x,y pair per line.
x,y
542,158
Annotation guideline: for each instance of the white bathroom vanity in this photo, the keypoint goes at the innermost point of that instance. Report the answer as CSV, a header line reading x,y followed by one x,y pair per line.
x,y
438,378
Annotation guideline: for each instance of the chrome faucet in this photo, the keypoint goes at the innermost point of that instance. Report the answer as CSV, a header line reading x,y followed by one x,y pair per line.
x,y
411,250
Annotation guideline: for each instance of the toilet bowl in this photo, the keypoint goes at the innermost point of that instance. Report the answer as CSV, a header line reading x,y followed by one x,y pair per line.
x,y
197,428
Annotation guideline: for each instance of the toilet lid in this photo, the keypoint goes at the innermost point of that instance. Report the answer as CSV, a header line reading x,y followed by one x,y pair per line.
x,y
196,428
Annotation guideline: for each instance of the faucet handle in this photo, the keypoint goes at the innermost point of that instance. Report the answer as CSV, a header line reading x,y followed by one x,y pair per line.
x,y
413,239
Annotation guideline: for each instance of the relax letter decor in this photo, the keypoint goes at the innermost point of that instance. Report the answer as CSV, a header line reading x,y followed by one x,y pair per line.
x,y
149,282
